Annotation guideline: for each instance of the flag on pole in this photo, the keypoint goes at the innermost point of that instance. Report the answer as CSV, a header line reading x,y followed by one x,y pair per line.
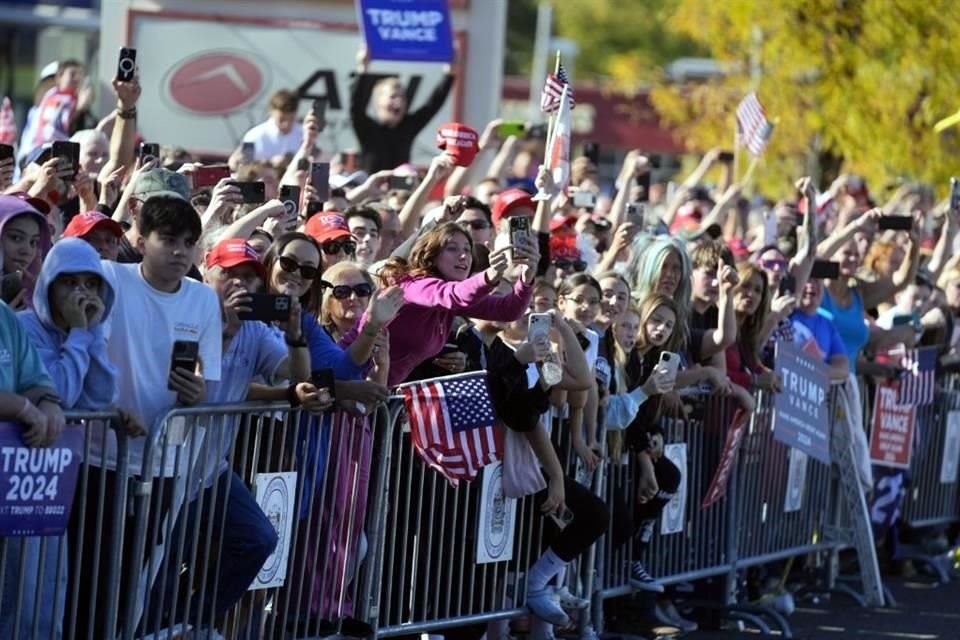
x,y
452,425
558,147
8,126
553,89
919,381
752,124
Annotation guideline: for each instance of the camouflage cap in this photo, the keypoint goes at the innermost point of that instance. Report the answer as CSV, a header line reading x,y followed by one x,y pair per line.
x,y
161,182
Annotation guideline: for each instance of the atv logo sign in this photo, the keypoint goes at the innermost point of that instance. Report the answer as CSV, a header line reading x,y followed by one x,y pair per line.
x,y
215,82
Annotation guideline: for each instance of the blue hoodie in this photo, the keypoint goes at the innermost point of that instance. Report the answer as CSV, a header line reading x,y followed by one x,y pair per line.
x,y
77,361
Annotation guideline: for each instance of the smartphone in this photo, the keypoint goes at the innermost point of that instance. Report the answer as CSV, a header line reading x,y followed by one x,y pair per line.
x,y
643,182
303,164
184,356
323,379
519,230
320,179
726,157
68,150
511,128
636,212
149,151
267,307
584,199
895,223
210,176
402,183
6,152
538,326
319,109
449,348
126,64
564,519
290,197
671,362
247,150
313,208
825,270
788,285
252,192
537,132
11,285
955,194
902,320
592,151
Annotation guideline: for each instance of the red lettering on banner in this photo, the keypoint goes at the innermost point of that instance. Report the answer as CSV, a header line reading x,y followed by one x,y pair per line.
x,y
891,435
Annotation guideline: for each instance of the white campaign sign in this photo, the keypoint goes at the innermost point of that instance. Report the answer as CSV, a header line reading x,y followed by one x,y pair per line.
x,y
207,90
498,513
276,494
796,480
951,449
675,510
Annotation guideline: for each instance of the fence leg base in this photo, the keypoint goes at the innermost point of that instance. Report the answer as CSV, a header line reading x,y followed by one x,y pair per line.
x,y
935,563
777,618
751,619
845,590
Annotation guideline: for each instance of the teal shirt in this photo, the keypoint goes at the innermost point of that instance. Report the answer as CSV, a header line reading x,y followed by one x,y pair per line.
x,y
20,366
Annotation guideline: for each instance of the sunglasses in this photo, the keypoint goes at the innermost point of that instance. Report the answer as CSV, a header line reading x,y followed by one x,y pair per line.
x,y
343,291
567,265
333,248
476,225
292,266
773,265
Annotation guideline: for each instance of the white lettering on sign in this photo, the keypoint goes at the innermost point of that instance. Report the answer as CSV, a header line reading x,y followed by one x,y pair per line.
x,y
413,26
803,387
23,460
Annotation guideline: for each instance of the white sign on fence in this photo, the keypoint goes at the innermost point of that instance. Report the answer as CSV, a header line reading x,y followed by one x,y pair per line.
x,y
497,517
675,511
796,480
276,496
951,449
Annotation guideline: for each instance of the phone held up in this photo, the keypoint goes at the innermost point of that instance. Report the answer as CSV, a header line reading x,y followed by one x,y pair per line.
x,y
955,194
825,270
185,355
669,361
267,307
127,64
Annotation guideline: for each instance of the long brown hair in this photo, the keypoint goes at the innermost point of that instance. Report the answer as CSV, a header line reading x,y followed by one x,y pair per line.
x,y
311,299
751,330
423,256
646,308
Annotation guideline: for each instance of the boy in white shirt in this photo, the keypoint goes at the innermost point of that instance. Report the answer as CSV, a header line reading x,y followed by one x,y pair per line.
x,y
281,133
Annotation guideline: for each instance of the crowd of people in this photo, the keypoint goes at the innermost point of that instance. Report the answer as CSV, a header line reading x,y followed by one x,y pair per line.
x,y
114,259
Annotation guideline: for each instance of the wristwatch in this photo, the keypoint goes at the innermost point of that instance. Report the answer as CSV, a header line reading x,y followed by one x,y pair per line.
x,y
51,398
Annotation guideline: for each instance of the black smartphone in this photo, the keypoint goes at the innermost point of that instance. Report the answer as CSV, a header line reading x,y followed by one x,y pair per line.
x,y
320,179
313,208
323,379
184,356
726,157
592,151
320,109
519,230
448,348
126,64
68,150
643,181
267,307
788,285
11,285
402,183
290,197
252,192
636,212
825,270
895,223
149,151
6,152
955,194
246,152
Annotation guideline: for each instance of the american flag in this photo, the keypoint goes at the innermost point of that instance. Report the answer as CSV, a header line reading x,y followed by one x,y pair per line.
x,y
752,124
918,383
452,425
553,90
8,126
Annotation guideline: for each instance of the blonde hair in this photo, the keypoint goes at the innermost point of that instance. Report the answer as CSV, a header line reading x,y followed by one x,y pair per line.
x,y
329,277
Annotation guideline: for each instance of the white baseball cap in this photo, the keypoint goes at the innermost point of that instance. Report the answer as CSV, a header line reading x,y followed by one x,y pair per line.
x,y
50,70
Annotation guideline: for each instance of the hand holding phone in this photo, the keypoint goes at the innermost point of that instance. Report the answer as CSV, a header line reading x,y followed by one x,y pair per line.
x,y
149,151
185,355
69,151
510,128
209,176
320,179
825,270
267,307
126,65
252,192
895,223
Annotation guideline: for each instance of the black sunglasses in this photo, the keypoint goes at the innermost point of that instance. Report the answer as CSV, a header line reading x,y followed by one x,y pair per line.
x,y
343,291
333,248
476,225
566,265
291,266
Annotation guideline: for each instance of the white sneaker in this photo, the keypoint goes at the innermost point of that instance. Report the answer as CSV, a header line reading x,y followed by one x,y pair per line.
x,y
666,613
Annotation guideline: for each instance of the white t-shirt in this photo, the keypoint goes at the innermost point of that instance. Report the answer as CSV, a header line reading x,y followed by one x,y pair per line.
x,y
143,326
268,141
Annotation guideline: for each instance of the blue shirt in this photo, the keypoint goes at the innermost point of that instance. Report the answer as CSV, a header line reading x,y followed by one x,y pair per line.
x,y
850,324
255,352
818,327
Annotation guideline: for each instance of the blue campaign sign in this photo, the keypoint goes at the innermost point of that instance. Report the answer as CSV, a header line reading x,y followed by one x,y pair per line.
x,y
412,30
37,484
801,415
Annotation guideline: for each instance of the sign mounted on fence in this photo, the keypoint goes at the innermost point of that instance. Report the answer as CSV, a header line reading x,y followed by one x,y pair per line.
x,y
951,449
800,413
735,434
894,425
674,513
497,516
412,30
796,480
37,485
275,495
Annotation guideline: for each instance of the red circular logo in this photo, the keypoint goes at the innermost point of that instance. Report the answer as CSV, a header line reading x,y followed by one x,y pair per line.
x,y
215,83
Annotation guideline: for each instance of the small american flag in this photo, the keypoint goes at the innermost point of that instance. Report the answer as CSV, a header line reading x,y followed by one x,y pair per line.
x,y
8,126
452,425
752,124
553,90
919,381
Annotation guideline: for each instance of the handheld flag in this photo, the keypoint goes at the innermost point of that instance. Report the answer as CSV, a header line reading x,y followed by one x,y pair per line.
x,y
558,147
553,89
752,124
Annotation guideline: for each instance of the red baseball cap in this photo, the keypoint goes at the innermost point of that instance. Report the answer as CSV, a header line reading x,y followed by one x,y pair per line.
x,y
233,252
559,221
507,201
327,226
39,204
688,218
84,223
459,141
564,247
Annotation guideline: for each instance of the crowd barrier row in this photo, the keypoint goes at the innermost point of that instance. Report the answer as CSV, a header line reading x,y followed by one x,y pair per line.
x,y
353,534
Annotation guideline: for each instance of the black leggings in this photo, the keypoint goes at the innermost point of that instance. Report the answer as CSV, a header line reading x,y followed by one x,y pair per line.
x,y
590,518
629,515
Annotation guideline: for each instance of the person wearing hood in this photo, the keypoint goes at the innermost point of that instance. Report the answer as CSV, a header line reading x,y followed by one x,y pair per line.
x,y
24,241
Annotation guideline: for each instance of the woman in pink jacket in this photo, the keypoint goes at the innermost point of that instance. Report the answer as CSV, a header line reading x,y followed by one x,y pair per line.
x,y
437,287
